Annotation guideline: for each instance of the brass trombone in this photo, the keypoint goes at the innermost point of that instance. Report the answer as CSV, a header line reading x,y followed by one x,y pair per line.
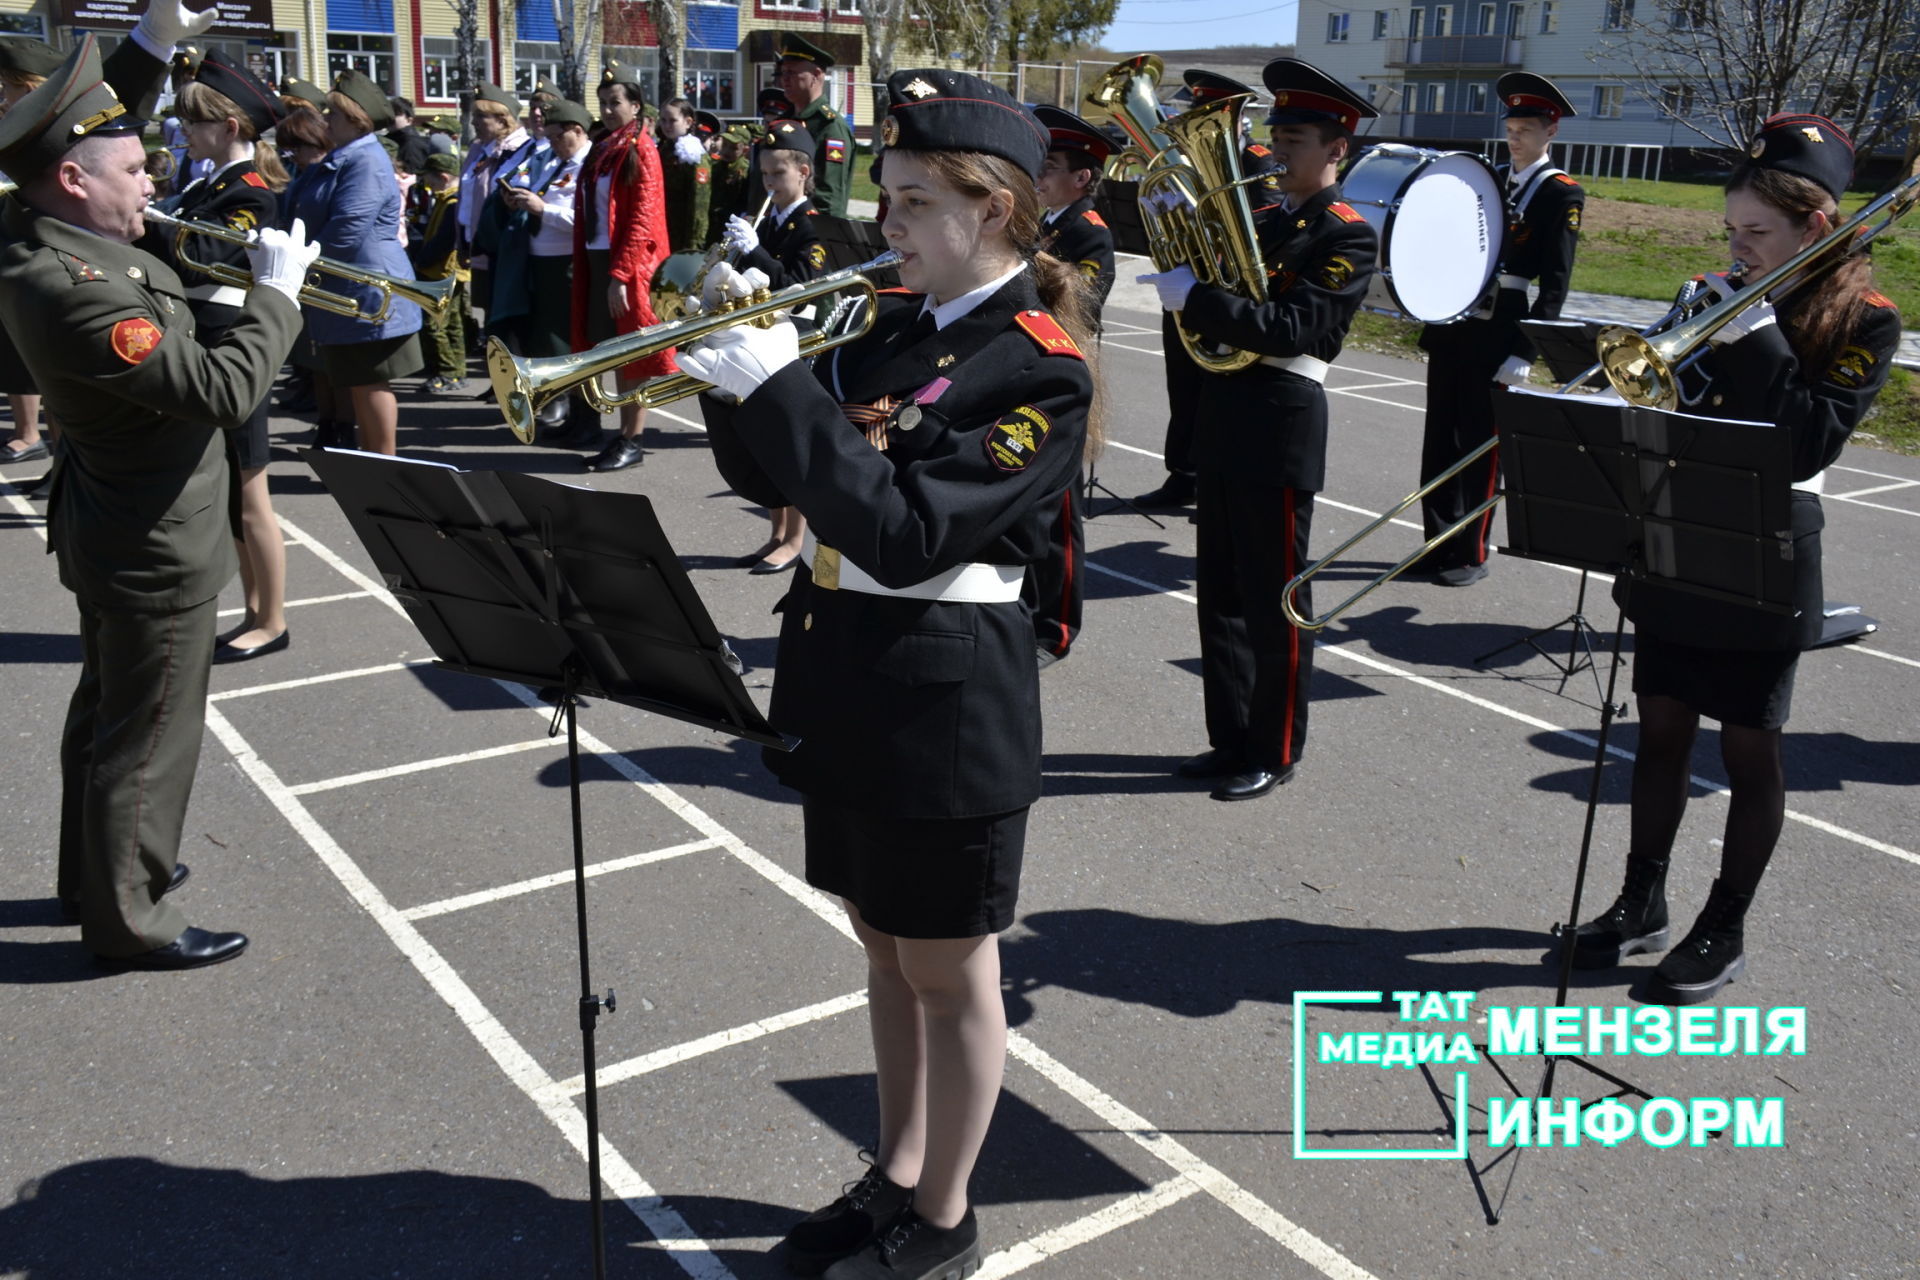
x,y
1642,366
431,296
521,385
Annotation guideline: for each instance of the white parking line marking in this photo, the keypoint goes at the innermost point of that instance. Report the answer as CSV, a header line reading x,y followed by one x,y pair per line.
x,y
1879,653
1851,494
480,898
328,678
419,766
1877,506
676,1054
1122,1212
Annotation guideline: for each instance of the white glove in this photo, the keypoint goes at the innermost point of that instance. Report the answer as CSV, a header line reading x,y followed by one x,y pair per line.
x,y
740,235
1173,286
1513,372
724,282
167,22
280,259
739,359
687,149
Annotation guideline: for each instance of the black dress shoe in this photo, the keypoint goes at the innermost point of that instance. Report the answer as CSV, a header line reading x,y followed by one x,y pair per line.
x,y
1211,764
191,950
580,436
1464,575
239,629
229,653
70,911
1252,784
618,456
768,566
1178,491
1046,657
33,452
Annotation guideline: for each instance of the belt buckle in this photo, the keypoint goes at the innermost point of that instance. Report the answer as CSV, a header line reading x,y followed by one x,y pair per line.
x,y
826,567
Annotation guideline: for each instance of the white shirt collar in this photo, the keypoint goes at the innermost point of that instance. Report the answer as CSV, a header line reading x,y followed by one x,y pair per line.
x,y
947,312
780,216
245,159
1053,215
1521,178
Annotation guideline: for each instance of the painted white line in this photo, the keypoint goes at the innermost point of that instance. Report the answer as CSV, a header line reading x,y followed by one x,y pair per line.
x,y
1391,404
1372,386
692,1254
419,766
480,898
345,570
1878,488
1134,448
1877,506
1290,1235
1050,1244
280,686
296,604
676,1054
1862,471
1145,351
1878,653
34,518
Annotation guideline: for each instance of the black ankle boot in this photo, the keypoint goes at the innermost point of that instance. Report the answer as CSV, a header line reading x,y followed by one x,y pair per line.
x,y
1636,922
911,1248
847,1225
1712,954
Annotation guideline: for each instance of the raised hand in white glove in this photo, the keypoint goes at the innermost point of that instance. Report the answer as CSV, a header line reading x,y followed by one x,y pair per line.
x,y
167,22
724,283
1173,286
740,235
1513,372
280,259
739,359
687,149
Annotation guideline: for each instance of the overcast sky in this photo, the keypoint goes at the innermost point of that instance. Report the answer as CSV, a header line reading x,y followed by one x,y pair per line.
x,y
1144,26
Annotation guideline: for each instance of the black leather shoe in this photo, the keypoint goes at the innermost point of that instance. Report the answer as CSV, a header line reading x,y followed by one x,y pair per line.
x,y
618,456
70,911
1211,764
239,629
1252,784
1464,575
911,1248
193,949
866,1206
228,653
1046,657
32,453
1178,491
768,566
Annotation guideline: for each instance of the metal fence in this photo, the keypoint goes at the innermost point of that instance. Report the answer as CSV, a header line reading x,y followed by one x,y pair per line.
x,y
1595,159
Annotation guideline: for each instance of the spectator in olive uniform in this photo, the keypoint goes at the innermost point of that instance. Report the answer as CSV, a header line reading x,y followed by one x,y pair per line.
x,y
733,150
802,74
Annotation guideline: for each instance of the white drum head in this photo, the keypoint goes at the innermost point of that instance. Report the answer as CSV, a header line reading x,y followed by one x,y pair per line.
x,y
1443,242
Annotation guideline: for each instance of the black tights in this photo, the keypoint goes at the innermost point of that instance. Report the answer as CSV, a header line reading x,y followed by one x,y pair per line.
x,y
1756,809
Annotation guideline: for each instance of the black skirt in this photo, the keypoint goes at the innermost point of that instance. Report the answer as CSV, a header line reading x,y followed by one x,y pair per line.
x,y
918,877
1748,687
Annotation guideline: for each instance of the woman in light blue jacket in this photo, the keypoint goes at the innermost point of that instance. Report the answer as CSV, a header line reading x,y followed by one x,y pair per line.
x,y
351,207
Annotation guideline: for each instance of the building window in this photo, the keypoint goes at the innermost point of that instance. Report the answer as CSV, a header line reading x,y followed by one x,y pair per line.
x,y
1549,17
1442,21
1382,23
371,56
1687,15
1618,16
1477,98
440,66
23,24
1436,97
1676,100
533,59
1489,17
1416,23
1608,99
1516,21
276,62
710,78
1337,28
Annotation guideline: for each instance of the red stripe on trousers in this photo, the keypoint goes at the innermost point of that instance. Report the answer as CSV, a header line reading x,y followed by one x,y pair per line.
x,y
1493,483
1066,586
1293,643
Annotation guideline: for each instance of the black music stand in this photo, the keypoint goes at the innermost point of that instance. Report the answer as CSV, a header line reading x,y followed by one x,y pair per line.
x,y
1567,348
1118,204
520,579
1697,504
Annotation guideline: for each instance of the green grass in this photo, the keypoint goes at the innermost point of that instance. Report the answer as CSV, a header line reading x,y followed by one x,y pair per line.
x,y
1893,423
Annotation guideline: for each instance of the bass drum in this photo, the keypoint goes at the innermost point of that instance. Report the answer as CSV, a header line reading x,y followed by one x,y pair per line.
x,y
1439,216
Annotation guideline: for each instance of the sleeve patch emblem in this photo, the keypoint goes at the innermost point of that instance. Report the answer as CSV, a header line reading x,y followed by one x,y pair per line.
x,y
702,175
254,180
244,220
1047,334
134,340
817,256
1344,212
1336,273
1851,368
1090,268
836,151
1093,216
1014,441
1573,218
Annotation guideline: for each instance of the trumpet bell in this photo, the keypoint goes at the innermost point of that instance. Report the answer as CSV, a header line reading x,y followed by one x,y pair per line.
x,y
676,279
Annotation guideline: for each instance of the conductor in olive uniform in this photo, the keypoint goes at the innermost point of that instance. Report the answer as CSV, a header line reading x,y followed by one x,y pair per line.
x,y
1471,356
138,511
1183,376
802,74
1262,444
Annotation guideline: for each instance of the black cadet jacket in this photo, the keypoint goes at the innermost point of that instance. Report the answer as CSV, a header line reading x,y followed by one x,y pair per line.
x,y
1080,238
1760,379
1320,259
790,253
913,708
237,197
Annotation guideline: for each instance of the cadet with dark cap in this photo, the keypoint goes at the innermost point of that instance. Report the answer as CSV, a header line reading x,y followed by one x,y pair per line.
x,y
906,661
802,74
1809,361
138,509
1472,358
1183,375
1262,445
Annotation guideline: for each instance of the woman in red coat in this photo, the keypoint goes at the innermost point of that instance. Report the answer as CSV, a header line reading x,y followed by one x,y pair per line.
x,y
619,238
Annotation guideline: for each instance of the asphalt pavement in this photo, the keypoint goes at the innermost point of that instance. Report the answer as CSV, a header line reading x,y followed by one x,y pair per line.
x,y
389,1082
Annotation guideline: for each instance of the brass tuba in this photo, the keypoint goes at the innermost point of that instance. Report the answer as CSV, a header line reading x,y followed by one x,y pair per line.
x,y
1193,198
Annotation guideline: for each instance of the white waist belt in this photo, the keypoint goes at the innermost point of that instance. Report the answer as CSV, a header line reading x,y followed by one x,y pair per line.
x,y
1511,282
1813,484
225,295
1305,366
962,584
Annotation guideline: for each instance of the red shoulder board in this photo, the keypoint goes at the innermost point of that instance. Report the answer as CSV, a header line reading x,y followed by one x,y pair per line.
x,y
1093,216
1566,178
1877,299
134,340
253,180
1047,334
1259,150
1344,212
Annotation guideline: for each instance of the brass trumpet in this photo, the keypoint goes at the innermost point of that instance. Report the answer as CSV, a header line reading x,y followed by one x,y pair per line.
x,y
521,385
431,296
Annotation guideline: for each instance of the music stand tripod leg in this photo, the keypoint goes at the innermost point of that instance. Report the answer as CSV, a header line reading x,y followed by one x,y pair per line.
x,y
1576,661
1090,481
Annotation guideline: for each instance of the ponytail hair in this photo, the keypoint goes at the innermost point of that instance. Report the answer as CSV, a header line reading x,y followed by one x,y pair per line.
x,y
1832,307
1064,291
